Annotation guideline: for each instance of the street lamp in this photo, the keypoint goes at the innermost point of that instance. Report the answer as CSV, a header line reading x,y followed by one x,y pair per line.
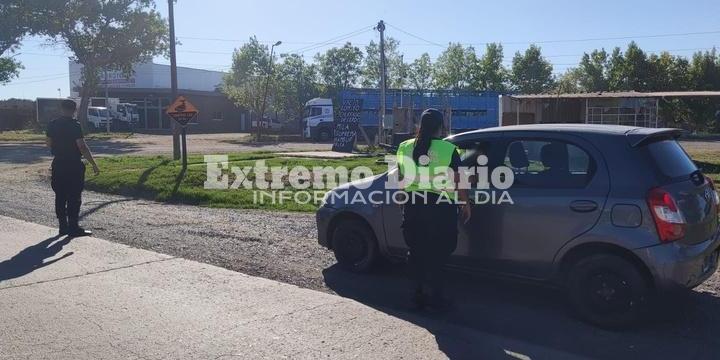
x,y
267,83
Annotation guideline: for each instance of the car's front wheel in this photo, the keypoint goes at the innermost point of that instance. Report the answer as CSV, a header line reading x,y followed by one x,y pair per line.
x,y
324,135
354,245
608,291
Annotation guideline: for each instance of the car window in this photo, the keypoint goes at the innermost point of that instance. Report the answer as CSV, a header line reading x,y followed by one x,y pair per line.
x,y
671,159
316,111
548,164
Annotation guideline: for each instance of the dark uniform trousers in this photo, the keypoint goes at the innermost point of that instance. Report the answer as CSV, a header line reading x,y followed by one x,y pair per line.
x,y
68,181
430,232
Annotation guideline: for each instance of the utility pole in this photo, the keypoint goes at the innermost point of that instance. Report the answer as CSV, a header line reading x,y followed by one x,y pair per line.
x,y
267,83
107,103
402,77
173,77
383,82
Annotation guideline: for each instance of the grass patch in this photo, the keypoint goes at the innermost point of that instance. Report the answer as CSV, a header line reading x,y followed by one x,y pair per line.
x,y
158,178
709,162
34,136
22,135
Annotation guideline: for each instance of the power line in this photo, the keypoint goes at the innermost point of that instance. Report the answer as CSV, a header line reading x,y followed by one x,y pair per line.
x,y
564,40
415,36
351,34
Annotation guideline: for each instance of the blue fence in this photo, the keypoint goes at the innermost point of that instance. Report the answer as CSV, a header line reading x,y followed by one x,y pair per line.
x,y
470,110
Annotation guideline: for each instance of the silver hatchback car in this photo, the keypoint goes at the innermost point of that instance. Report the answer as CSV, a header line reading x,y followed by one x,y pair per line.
x,y
613,215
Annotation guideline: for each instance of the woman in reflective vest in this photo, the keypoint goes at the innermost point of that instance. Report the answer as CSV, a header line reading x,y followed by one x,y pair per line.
x,y
430,216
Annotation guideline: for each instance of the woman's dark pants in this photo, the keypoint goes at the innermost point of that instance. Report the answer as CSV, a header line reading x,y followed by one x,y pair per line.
x,y
430,231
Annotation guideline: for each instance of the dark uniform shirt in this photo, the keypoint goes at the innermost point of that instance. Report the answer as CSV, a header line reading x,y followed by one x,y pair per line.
x,y
64,132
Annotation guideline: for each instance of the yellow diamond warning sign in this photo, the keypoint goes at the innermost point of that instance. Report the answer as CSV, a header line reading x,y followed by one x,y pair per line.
x,y
182,111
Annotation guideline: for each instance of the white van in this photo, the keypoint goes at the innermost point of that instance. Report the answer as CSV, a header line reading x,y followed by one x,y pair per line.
x,y
98,116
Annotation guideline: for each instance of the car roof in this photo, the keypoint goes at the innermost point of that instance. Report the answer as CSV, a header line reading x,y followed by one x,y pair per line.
x,y
634,132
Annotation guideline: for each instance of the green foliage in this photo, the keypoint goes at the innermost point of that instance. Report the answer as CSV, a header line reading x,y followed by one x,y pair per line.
x,y
396,69
9,69
340,68
453,68
107,35
293,85
245,82
492,75
592,72
531,72
569,82
420,73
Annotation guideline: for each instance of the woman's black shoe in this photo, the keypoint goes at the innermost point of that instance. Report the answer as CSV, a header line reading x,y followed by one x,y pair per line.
x,y
419,301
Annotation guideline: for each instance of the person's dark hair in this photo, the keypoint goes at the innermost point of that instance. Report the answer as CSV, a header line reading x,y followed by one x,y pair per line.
x,y
430,122
68,105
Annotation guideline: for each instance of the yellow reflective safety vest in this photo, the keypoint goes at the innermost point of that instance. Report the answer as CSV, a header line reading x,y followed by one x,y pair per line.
x,y
440,156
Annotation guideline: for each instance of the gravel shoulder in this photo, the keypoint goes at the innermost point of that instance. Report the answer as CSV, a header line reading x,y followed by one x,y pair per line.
x,y
279,246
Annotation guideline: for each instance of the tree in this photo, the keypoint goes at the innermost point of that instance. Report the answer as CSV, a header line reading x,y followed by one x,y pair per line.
x,y
108,35
705,71
395,67
293,85
492,75
339,68
704,76
629,71
531,73
454,67
245,83
420,73
593,71
569,82
667,73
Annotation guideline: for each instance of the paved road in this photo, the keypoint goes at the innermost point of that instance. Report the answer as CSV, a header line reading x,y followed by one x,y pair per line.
x,y
87,298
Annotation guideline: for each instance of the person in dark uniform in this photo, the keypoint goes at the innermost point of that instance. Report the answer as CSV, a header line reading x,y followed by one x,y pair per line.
x,y
67,145
430,217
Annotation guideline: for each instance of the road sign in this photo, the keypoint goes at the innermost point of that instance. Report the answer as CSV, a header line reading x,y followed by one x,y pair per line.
x,y
182,111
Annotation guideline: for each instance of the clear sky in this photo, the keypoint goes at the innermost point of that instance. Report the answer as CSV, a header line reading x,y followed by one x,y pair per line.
x,y
301,25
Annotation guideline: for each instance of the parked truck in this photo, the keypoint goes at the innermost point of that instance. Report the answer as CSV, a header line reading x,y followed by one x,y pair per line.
x,y
318,121
49,109
124,115
464,110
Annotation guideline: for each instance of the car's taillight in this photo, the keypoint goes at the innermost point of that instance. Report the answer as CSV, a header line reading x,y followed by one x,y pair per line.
x,y
716,197
669,221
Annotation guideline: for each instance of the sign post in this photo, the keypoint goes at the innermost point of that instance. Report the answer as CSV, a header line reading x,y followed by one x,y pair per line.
x,y
183,112
346,127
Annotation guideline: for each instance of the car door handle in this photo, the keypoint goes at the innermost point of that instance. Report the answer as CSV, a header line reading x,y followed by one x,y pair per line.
x,y
583,206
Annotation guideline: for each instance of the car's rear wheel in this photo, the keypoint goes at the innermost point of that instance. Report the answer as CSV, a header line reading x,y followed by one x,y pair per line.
x,y
354,245
608,291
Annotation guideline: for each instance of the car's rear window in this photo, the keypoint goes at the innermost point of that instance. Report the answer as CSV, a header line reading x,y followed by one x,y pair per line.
x,y
671,159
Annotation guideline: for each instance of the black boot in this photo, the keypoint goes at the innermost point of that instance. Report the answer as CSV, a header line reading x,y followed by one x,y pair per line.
x,y
76,231
63,226
419,300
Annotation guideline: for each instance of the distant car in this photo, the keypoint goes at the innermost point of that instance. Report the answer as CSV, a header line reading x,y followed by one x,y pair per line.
x,y
614,215
272,124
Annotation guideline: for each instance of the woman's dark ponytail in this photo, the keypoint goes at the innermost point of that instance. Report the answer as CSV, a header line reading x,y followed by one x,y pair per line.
x,y
430,122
